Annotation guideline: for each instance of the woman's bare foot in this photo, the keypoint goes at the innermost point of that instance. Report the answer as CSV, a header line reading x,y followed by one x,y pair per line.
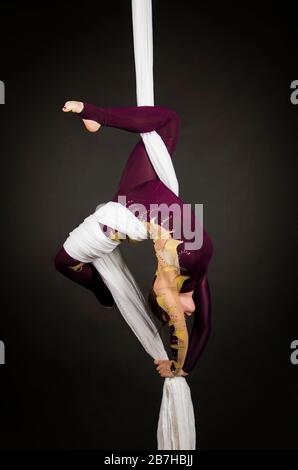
x,y
77,107
73,106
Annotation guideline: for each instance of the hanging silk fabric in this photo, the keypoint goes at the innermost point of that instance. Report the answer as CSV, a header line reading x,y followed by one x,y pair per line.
x,y
87,243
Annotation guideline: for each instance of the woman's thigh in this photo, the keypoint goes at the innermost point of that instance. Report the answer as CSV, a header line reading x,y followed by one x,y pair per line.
x,y
138,169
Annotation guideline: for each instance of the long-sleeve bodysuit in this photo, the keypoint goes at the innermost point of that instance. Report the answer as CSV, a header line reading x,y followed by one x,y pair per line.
x,y
140,184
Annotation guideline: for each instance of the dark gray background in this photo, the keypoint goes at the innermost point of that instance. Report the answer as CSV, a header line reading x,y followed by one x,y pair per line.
x,y
76,377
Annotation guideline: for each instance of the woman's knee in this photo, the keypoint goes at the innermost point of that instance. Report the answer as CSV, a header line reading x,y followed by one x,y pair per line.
x,y
65,264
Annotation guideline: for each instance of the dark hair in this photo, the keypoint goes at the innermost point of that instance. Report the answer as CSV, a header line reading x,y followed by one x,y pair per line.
x,y
156,308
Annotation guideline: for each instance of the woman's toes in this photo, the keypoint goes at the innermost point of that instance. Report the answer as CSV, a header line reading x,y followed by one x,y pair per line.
x,y
74,106
91,126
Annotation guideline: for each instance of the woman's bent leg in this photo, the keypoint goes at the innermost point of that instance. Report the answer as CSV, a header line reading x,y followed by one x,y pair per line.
x,y
84,274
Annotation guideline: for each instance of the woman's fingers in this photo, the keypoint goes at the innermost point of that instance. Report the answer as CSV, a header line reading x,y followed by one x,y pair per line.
x,y
166,374
163,367
164,370
159,361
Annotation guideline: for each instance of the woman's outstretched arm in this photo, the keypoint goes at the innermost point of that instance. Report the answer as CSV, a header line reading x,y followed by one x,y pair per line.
x,y
166,286
168,299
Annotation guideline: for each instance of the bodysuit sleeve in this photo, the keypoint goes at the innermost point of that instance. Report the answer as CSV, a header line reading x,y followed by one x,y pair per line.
x,y
138,119
201,327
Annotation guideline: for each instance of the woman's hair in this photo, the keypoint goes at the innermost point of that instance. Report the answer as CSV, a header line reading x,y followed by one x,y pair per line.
x,y
156,308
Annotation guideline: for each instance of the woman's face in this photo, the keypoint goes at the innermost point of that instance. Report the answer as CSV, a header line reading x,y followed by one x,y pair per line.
x,y
187,303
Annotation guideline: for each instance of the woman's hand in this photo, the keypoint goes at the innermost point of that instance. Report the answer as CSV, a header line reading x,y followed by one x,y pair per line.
x,y
164,369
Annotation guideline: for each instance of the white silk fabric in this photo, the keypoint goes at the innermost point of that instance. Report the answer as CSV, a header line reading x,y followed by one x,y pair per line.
x,y
87,243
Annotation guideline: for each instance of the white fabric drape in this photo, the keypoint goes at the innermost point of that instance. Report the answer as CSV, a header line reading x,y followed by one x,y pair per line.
x,y
143,53
88,243
176,427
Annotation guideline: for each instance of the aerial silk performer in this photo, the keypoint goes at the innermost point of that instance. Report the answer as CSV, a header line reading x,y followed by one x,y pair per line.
x,y
91,255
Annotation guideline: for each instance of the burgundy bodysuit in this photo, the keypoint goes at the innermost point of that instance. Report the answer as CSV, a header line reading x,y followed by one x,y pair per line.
x,y
140,184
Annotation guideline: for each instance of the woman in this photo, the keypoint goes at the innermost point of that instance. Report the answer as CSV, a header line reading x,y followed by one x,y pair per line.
x,y
180,286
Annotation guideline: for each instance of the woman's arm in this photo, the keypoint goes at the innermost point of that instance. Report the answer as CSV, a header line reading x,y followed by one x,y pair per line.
x,y
166,287
138,119
168,299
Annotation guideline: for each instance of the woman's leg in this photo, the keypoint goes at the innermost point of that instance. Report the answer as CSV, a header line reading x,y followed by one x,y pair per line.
x,y
84,274
137,119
